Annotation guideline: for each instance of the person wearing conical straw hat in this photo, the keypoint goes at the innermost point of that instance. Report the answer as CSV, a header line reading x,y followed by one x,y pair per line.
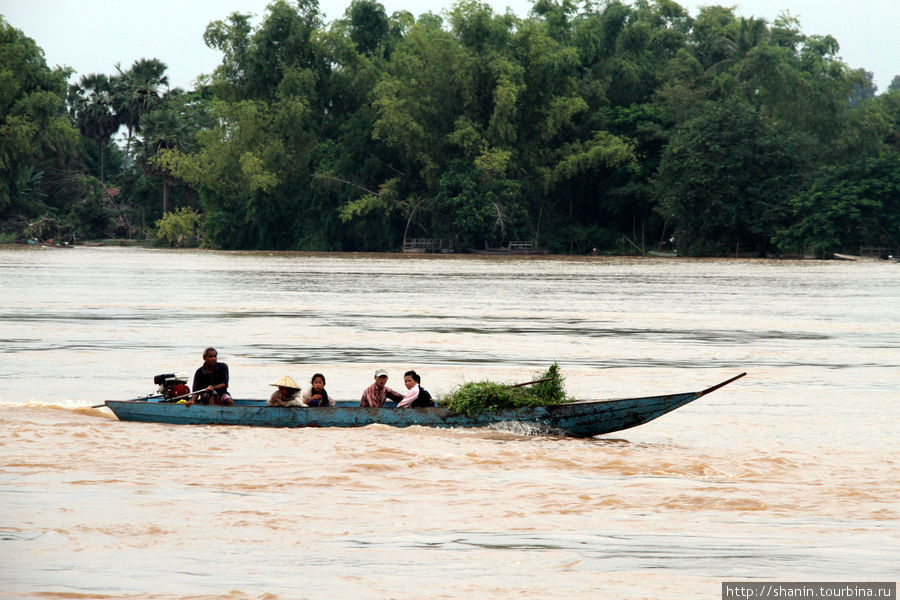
x,y
287,394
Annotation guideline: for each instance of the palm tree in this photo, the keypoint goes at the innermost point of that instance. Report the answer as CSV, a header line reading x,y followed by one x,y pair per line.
x,y
90,104
735,45
137,92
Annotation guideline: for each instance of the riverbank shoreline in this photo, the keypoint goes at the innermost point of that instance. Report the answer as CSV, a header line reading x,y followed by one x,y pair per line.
x,y
151,244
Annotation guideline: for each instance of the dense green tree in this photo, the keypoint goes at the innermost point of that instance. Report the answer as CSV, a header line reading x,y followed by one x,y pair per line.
x,y
418,102
179,228
90,215
36,138
232,39
236,171
449,105
282,50
889,105
847,207
726,178
368,25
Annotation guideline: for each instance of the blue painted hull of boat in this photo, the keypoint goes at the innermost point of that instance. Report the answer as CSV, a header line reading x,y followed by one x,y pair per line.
x,y
585,418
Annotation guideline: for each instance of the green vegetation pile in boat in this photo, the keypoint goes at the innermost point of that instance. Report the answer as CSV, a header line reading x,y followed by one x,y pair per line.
x,y
580,418
478,398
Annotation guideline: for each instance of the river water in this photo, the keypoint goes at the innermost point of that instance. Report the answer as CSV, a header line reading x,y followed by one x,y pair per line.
x,y
790,473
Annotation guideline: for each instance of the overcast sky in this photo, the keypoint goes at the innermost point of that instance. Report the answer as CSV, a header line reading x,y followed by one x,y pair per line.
x,y
91,36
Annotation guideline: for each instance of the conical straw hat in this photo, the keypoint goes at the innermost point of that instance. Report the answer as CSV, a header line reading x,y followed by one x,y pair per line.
x,y
287,382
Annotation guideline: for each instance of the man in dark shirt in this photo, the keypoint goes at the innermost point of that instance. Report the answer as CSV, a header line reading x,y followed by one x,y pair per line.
x,y
211,380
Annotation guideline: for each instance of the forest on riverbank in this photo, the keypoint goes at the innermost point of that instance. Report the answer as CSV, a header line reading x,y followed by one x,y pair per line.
x,y
618,127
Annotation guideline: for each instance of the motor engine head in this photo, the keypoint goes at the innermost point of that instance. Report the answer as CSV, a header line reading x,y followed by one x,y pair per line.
x,y
171,384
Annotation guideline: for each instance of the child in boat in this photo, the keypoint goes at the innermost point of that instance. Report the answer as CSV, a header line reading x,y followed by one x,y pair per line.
x,y
287,394
316,395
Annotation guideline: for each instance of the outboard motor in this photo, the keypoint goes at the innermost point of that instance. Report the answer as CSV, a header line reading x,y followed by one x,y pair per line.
x,y
172,385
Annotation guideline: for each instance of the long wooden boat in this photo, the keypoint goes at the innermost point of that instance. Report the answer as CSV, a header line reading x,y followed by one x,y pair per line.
x,y
584,418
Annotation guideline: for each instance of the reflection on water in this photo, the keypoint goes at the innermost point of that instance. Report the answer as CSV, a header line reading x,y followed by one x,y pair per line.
x,y
789,473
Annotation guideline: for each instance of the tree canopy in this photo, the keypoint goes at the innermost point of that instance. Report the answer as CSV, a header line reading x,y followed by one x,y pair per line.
x,y
612,126
36,137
